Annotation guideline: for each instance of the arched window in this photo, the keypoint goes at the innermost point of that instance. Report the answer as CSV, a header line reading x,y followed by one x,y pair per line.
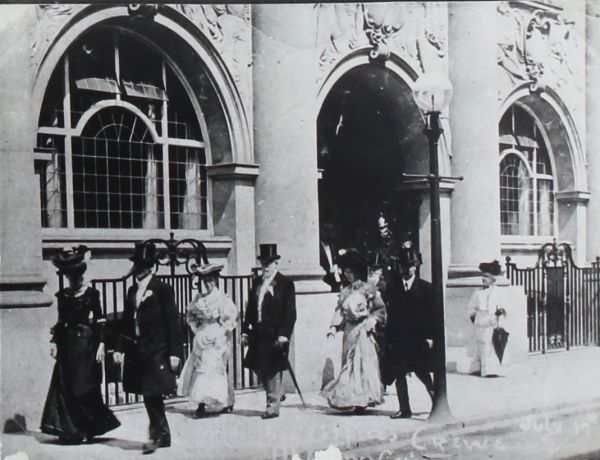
x,y
120,145
526,180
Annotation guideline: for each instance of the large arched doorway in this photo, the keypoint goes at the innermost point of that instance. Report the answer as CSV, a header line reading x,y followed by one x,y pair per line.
x,y
369,132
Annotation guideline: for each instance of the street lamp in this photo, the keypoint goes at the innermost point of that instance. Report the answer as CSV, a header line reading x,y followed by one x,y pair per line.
x,y
432,93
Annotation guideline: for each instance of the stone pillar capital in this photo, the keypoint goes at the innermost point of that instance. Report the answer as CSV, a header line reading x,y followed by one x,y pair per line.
x,y
233,171
573,196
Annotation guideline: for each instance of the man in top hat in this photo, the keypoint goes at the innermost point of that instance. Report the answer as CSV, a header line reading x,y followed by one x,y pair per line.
x,y
151,339
268,326
409,330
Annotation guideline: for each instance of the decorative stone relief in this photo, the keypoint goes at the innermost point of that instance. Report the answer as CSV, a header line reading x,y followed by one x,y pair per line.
x,y
50,18
537,46
228,28
416,32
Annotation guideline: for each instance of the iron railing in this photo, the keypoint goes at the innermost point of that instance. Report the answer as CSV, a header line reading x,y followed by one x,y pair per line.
x,y
183,253
563,302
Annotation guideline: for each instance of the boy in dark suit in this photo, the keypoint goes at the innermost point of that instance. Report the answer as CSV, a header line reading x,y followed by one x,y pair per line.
x,y
151,339
268,326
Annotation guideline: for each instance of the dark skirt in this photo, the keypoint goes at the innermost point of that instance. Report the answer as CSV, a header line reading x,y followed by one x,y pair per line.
x,y
74,408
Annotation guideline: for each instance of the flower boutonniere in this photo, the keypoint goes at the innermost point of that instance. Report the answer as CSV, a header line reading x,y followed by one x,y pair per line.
x,y
270,289
147,294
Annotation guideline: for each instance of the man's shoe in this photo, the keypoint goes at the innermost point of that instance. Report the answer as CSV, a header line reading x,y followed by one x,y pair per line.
x,y
200,412
164,442
266,415
282,398
150,447
401,414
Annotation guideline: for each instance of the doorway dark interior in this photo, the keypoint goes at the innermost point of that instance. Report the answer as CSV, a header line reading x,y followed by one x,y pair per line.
x,y
369,133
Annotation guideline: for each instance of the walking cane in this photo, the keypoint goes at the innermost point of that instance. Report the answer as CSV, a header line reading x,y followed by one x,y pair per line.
x,y
289,367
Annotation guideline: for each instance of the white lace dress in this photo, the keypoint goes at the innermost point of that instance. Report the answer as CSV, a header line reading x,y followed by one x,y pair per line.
x,y
204,376
483,307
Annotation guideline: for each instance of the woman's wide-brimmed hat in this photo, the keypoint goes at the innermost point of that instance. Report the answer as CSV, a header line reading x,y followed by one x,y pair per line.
x,y
354,261
144,255
71,260
268,253
493,268
208,269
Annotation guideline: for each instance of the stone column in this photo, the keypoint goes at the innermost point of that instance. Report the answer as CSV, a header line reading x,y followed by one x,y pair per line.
x,y
572,208
233,189
475,211
592,115
475,207
24,332
285,116
20,258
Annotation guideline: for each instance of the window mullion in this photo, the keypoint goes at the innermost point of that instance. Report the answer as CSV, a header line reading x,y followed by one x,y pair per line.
x,y
68,147
536,201
117,65
165,152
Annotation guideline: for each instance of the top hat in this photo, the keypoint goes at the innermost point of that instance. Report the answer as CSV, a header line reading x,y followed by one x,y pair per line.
x,y
493,268
268,253
144,255
73,259
409,257
208,269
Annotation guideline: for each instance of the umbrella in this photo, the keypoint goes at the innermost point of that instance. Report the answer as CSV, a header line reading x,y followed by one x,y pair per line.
x,y
499,339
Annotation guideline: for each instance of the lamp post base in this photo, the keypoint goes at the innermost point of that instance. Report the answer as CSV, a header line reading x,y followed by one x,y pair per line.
x,y
440,412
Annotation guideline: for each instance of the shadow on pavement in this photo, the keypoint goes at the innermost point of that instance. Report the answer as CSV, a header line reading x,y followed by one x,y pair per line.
x,y
49,440
124,444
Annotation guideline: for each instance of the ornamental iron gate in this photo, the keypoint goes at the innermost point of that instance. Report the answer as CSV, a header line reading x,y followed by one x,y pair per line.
x,y
186,254
563,304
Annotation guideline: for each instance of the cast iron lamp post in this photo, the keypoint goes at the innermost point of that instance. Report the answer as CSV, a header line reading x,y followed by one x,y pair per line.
x,y
432,93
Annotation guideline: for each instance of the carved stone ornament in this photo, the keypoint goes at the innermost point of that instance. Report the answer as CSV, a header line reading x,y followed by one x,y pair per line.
x,y
228,28
537,46
416,32
50,18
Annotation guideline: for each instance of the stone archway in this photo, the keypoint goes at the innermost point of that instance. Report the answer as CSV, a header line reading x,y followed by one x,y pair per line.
x,y
369,131
566,156
209,84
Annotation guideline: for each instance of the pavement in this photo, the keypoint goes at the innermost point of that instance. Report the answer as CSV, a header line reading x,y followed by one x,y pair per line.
x,y
567,381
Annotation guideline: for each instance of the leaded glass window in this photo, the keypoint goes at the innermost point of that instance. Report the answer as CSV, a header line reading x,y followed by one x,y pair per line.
x,y
119,142
526,178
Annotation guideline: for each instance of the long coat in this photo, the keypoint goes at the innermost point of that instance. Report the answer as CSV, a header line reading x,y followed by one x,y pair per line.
x,y
147,368
278,316
410,323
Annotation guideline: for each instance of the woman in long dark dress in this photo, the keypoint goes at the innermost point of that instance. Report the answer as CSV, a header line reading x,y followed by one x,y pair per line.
x,y
74,409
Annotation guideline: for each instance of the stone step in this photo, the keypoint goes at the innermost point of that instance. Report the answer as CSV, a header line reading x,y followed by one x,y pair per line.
x,y
459,361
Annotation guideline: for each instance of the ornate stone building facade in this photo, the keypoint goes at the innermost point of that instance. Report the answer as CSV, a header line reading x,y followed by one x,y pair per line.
x,y
247,124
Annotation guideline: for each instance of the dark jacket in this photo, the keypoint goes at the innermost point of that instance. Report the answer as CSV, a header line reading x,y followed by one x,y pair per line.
x,y
278,316
77,334
410,323
147,368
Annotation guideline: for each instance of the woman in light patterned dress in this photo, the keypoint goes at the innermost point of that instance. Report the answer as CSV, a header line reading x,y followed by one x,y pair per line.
x,y
359,312
212,316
